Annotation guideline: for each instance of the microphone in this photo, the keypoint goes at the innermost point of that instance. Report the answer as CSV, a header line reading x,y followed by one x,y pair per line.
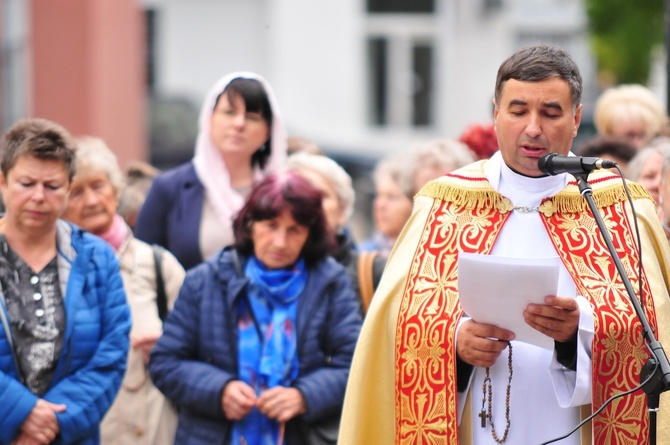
x,y
555,164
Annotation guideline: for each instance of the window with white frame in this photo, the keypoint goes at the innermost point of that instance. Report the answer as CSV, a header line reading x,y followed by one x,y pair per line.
x,y
401,62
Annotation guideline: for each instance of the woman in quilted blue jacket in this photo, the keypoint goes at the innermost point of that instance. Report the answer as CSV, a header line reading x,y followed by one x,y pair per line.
x,y
64,320
258,347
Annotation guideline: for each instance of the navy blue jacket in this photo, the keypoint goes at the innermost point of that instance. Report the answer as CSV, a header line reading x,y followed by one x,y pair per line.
x,y
95,348
197,354
171,214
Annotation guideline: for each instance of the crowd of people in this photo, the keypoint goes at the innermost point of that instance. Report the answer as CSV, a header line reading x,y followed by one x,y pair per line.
x,y
228,301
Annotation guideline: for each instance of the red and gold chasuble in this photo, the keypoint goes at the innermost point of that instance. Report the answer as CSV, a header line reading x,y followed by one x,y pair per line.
x,y
467,216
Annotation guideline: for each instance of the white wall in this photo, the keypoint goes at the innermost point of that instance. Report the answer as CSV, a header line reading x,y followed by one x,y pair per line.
x,y
200,41
475,45
313,52
317,58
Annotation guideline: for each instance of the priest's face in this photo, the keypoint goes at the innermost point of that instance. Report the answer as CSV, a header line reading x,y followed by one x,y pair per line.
x,y
533,119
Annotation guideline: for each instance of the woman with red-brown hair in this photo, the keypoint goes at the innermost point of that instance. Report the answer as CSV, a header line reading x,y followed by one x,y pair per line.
x,y
258,346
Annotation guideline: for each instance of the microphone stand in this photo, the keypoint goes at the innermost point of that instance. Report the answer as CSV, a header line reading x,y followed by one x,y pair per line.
x,y
657,365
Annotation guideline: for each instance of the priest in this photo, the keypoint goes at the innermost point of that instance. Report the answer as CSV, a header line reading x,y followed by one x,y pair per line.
x,y
424,372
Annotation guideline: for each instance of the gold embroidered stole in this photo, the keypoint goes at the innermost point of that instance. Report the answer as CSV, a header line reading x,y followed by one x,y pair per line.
x,y
467,215
618,352
466,220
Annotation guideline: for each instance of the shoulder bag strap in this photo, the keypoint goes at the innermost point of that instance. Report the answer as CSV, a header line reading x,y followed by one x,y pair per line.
x,y
161,297
365,281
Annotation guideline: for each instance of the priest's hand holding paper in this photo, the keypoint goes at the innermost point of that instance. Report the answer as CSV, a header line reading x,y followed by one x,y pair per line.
x,y
514,292
558,318
480,344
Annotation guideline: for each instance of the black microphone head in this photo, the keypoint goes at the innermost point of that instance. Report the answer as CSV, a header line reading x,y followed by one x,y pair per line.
x,y
543,164
606,163
555,164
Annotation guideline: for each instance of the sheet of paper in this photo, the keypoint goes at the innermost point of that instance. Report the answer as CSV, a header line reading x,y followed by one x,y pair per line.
x,y
496,290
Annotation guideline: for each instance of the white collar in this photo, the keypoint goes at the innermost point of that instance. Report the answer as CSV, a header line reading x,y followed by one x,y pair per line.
x,y
523,191
497,172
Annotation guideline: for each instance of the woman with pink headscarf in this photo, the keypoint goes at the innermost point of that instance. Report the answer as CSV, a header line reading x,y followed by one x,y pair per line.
x,y
189,209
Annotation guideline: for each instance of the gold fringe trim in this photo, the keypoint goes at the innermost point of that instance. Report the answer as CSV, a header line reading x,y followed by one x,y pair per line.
x,y
482,197
572,202
469,198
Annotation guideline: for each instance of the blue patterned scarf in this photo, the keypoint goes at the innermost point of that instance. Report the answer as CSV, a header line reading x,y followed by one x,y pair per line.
x,y
267,341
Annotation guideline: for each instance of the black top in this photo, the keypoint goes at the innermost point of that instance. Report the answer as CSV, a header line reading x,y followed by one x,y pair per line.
x,y
37,313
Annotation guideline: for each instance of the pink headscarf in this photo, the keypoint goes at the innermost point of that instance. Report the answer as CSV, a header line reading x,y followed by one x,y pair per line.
x,y
209,164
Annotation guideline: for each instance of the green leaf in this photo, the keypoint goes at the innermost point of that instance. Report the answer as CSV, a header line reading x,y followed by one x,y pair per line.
x,y
623,36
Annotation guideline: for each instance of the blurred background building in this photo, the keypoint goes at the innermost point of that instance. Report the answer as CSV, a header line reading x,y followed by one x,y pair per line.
x,y
355,76
360,78
80,63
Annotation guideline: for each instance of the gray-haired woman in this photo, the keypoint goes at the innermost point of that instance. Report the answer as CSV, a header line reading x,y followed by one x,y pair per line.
x,y
334,183
140,414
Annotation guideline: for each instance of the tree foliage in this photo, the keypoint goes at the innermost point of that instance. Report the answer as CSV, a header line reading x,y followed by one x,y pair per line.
x,y
623,35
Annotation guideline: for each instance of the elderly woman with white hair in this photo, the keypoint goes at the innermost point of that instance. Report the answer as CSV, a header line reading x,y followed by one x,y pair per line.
x,y
646,166
432,159
334,183
631,111
392,207
664,195
399,177
140,414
